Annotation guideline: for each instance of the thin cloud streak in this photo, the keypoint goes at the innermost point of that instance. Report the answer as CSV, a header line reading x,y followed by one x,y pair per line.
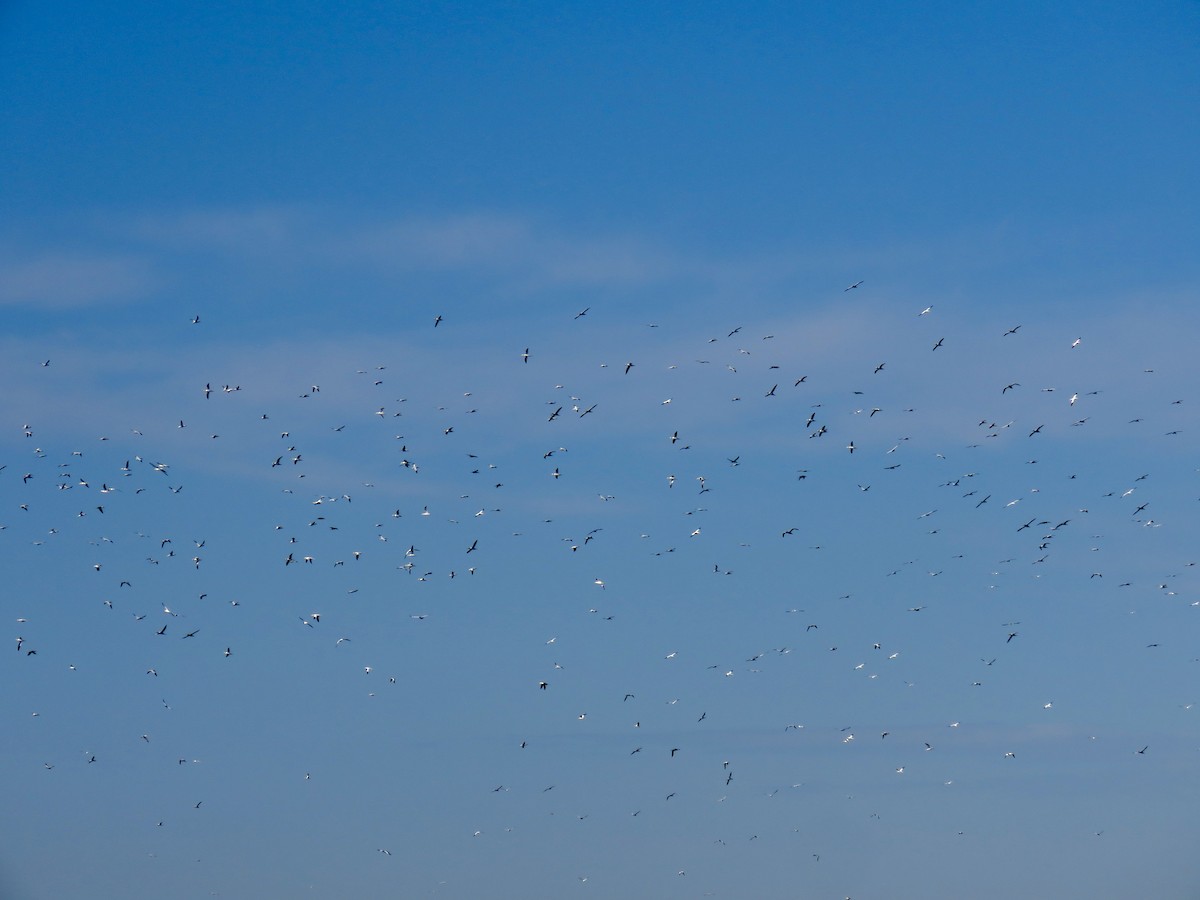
x,y
60,280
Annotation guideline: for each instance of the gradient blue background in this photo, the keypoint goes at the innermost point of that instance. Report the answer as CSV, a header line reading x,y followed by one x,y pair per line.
x,y
318,183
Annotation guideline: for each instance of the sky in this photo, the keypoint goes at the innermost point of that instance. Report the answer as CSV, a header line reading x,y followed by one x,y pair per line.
x,y
627,450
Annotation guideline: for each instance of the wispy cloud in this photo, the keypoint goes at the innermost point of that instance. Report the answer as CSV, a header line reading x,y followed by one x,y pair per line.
x,y
261,231
516,255
511,246
64,280
538,257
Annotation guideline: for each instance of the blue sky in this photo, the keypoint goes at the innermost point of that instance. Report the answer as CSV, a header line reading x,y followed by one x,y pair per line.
x,y
276,203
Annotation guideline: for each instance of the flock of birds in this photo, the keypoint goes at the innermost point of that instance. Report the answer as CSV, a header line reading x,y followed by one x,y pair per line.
x,y
623,520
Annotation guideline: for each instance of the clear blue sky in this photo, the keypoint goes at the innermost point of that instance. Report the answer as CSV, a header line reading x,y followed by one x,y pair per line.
x,y
269,274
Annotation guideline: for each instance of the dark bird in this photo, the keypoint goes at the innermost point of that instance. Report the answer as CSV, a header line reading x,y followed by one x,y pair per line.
x,y
852,287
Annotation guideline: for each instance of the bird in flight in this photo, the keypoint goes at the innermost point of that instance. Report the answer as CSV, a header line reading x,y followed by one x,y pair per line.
x,y
851,287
